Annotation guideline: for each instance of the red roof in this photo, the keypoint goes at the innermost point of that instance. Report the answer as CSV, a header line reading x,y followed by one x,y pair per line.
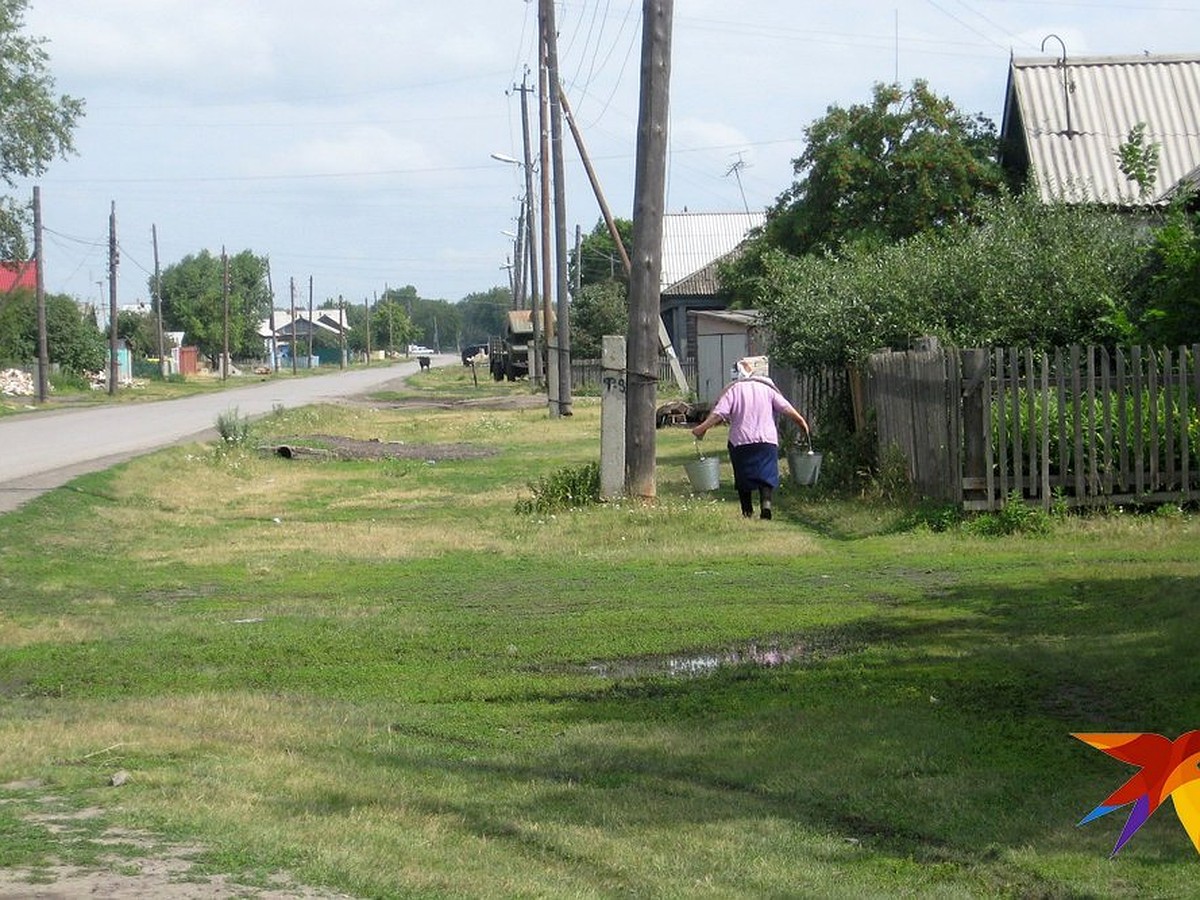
x,y
15,275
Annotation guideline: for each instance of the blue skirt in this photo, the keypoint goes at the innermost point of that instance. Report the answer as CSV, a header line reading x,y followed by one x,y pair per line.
x,y
754,466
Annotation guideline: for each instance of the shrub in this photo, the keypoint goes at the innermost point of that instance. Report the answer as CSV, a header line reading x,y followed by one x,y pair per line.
x,y
1015,517
233,428
567,488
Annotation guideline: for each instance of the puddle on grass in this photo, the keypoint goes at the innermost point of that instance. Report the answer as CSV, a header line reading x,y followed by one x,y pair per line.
x,y
761,654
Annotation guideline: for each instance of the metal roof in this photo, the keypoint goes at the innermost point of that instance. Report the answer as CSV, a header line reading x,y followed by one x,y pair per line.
x,y
691,241
1076,112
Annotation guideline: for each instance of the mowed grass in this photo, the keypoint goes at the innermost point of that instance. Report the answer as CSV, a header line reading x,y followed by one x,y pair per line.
x,y
378,677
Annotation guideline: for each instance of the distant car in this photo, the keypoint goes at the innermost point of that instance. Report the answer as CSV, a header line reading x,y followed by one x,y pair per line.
x,y
420,350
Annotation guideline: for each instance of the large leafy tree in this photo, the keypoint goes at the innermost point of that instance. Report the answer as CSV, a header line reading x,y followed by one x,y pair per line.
x,y
140,331
390,328
1026,274
193,302
1167,308
598,259
483,314
438,322
600,309
885,170
35,126
72,338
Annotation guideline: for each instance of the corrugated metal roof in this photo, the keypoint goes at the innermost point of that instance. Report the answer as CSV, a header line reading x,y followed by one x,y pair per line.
x,y
693,240
1071,138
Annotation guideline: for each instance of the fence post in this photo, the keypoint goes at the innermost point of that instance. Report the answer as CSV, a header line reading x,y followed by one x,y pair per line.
x,y
974,419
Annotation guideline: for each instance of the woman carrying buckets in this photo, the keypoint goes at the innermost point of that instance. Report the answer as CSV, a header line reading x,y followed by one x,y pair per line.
x,y
750,404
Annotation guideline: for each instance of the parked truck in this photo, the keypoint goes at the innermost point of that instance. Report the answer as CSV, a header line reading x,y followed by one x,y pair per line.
x,y
508,355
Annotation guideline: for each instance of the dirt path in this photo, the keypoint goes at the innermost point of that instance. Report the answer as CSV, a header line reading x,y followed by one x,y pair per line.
x,y
135,865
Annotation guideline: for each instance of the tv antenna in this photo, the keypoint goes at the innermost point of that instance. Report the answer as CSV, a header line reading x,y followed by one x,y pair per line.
x,y
736,171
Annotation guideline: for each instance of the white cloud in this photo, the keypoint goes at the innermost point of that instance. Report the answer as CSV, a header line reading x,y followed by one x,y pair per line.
x,y
360,149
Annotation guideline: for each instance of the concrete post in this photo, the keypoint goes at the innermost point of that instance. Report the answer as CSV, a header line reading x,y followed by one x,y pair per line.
x,y
612,417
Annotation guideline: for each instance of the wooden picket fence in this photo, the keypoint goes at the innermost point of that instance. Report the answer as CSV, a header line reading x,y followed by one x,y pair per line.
x,y
1079,425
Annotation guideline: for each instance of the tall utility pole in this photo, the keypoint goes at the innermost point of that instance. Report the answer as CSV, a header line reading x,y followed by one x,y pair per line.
x,y
562,296
367,311
518,261
113,370
225,304
310,321
342,329
646,272
292,340
162,359
535,364
664,339
546,30
43,385
274,343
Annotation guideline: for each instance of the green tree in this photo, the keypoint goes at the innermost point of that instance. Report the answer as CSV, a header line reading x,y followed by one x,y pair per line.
x,y
391,328
438,322
36,126
72,339
601,308
1167,310
140,331
598,259
883,171
1026,274
483,314
193,302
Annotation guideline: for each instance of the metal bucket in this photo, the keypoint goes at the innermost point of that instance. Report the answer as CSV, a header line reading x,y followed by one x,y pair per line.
x,y
805,466
704,473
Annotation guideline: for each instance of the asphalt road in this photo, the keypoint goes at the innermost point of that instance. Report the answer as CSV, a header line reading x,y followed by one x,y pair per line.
x,y
40,451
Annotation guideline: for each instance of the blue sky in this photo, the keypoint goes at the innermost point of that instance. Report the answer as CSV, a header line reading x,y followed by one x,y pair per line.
x,y
351,142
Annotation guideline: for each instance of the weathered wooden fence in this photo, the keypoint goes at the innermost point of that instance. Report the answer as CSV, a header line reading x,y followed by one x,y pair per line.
x,y
1079,425
586,373
816,394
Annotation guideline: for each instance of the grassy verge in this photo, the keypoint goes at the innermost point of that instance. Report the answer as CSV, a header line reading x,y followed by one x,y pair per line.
x,y
73,394
381,678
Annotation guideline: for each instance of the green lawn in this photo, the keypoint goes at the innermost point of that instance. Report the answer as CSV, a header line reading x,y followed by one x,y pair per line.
x,y
379,677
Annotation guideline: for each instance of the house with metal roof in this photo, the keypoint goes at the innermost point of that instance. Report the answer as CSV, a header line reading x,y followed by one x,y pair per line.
x,y
693,246
1065,118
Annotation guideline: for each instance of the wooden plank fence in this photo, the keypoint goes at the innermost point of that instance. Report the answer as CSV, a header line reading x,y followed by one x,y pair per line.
x,y
1078,425
587,373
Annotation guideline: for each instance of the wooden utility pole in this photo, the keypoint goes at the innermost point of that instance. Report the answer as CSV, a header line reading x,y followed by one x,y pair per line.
x,y
367,310
646,271
546,23
562,306
225,304
310,321
535,364
162,360
292,339
518,261
43,384
113,366
342,328
664,340
274,343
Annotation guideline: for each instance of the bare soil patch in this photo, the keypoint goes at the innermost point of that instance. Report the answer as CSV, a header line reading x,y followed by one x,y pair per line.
x,y
138,866
511,401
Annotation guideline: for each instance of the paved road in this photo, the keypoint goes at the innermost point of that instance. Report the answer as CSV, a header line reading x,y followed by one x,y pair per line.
x,y
43,450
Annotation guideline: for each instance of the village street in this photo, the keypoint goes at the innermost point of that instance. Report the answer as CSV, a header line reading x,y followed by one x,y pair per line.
x,y
43,450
